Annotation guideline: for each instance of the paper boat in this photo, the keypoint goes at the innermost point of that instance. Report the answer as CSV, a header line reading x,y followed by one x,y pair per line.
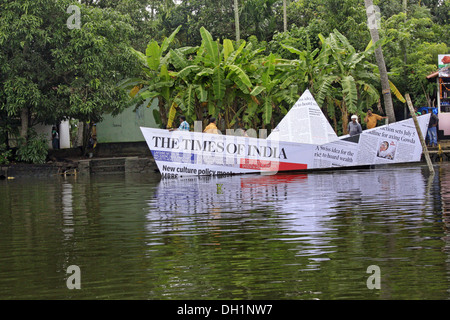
x,y
303,140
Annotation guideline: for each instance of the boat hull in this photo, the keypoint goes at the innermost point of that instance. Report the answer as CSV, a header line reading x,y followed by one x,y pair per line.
x,y
181,153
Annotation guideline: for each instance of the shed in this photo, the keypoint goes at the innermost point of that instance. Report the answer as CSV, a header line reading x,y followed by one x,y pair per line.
x,y
442,78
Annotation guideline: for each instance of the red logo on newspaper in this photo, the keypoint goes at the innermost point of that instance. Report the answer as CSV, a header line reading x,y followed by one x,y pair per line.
x,y
267,165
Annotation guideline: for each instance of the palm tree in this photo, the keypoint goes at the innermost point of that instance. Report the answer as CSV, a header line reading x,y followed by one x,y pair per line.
x,y
236,20
370,10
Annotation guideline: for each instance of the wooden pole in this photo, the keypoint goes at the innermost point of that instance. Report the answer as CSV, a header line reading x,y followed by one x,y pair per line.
x,y
419,132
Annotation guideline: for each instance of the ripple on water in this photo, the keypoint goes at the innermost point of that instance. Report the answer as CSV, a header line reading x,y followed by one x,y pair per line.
x,y
304,236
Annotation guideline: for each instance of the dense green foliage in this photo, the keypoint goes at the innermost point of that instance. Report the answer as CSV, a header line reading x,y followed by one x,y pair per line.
x,y
49,72
34,150
243,86
5,155
342,74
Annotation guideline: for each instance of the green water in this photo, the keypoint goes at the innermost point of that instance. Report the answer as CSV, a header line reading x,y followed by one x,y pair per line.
x,y
306,236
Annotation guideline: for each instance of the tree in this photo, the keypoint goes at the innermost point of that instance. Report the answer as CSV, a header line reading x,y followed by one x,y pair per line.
x,y
233,83
349,83
276,88
323,16
217,16
259,18
220,78
425,41
387,97
50,72
142,16
236,20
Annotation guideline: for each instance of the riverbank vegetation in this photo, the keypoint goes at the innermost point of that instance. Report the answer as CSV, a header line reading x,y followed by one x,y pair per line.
x,y
203,58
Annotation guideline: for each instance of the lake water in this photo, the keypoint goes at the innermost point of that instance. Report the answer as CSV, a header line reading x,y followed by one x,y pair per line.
x,y
303,236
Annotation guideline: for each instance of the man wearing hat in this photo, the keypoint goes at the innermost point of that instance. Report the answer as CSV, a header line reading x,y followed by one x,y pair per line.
x,y
354,127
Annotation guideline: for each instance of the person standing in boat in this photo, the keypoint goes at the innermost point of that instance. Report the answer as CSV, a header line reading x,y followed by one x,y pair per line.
x,y
211,127
354,127
184,125
432,130
371,119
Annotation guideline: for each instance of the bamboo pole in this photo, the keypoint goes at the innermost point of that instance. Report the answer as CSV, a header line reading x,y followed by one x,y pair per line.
x,y
419,132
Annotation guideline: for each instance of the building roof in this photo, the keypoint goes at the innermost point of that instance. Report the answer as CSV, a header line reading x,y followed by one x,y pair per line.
x,y
433,75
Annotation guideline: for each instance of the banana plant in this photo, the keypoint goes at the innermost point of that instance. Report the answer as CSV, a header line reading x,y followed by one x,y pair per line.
x,y
351,73
338,76
309,65
225,75
156,80
311,70
276,87
191,92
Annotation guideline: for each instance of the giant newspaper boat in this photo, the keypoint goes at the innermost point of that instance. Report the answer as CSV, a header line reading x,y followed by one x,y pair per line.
x,y
303,140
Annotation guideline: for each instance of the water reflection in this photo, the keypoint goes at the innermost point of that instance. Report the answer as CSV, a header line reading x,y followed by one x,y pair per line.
x,y
304,204
317,192
350,219
303,236
67,210
444,195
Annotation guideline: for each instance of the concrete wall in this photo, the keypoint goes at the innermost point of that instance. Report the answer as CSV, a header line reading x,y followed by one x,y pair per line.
x,y
125,127
444,115
64,134
133,165
444,123
122,149
127,165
